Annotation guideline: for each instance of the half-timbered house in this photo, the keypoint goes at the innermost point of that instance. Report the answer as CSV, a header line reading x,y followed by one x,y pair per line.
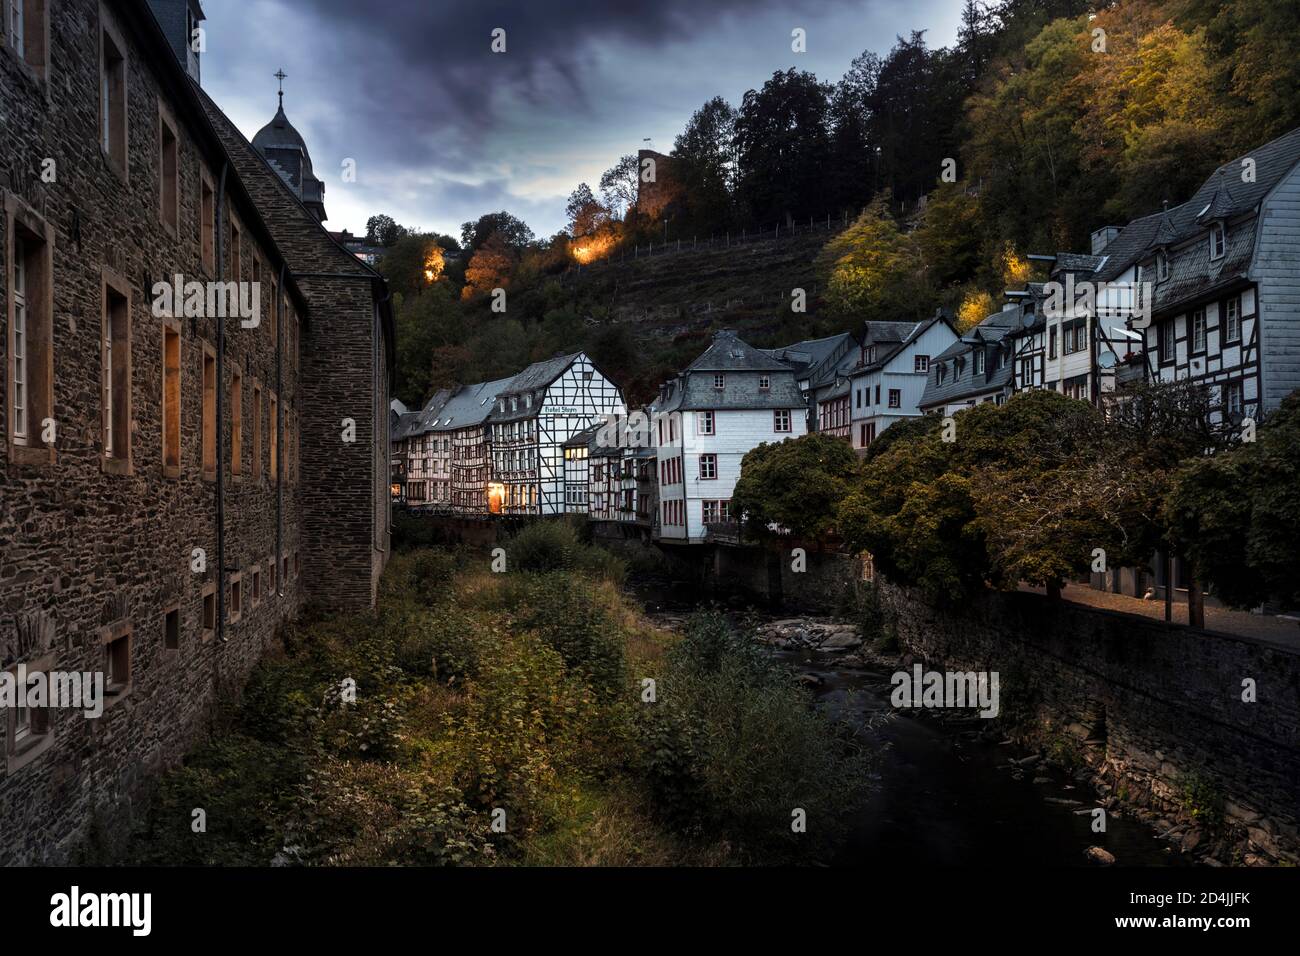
x,y
1218,282
543,407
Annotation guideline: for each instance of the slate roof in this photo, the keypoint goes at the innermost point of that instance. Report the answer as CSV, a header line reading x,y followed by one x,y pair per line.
x,y
584,438
892,337
1184,229
741,364
469,405
816,359
963,384
727,353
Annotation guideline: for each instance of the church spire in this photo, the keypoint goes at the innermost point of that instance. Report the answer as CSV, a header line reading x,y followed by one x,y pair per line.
x,y
281,76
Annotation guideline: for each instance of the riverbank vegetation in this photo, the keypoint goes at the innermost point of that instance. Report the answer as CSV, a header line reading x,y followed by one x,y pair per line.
x,y
532,716
1045,489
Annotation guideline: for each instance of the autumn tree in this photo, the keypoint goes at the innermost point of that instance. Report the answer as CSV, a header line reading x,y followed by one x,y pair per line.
x,y
585,214
795,485
490,267
873,269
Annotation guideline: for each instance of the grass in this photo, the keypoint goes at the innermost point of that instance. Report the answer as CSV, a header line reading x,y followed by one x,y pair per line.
x,y
483,697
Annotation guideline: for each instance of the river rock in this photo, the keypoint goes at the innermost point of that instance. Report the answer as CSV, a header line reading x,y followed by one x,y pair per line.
x,y
844,639
1099,855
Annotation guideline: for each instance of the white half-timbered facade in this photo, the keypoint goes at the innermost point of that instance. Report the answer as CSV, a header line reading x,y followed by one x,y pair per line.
x,y
1217,283
543,407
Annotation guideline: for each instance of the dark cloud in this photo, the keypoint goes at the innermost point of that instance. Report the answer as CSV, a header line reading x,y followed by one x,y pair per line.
x,y
444,129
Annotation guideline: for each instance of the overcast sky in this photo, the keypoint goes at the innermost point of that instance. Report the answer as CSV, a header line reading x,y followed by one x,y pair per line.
x,y
443,130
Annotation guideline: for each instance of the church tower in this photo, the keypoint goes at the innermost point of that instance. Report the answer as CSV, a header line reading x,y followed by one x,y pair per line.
x,y
285,150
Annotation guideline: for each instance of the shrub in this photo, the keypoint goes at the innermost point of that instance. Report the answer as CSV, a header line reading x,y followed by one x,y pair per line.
x,y
734,746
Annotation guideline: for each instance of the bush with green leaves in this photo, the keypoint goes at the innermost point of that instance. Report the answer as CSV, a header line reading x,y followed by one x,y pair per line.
x,y
734,746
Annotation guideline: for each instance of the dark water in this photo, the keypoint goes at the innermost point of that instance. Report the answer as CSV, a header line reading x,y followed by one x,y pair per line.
x,y
941,799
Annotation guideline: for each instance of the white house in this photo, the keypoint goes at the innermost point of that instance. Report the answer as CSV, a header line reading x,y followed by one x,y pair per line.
x,y
543,407
889,380
728,401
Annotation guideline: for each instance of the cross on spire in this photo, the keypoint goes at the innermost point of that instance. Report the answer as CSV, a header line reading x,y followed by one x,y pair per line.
x,y
281,75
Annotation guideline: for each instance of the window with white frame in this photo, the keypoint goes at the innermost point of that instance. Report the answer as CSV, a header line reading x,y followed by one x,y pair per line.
x,y
1232,398
781,420
705,422
1217,243
708,467
979,361
1198,330
1232,319
719,381
18,361
895,398
921,363
1168,341
764,382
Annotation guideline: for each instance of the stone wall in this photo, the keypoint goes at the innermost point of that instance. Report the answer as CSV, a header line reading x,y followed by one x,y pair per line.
x,y
87,550
1153,709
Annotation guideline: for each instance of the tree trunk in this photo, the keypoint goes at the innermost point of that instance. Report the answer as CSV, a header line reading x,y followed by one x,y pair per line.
x,y
1195,604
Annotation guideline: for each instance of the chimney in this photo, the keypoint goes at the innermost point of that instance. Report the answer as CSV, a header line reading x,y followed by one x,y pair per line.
x,y
1103,237
180,19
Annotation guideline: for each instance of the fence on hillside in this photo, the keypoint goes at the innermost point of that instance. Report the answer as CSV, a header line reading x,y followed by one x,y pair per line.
x,y
790,229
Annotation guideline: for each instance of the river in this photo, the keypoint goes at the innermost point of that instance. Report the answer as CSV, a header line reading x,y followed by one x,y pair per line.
x,y
944,796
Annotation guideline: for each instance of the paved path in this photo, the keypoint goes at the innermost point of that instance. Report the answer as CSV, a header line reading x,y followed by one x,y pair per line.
x,y
1261,627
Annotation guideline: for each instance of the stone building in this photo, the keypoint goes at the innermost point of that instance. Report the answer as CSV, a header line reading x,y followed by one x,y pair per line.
x,y
173,487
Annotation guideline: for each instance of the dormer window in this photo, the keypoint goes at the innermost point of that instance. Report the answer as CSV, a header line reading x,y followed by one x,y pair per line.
x,y
941,373
1216,241
979,362
719,381
1162,266
528,400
